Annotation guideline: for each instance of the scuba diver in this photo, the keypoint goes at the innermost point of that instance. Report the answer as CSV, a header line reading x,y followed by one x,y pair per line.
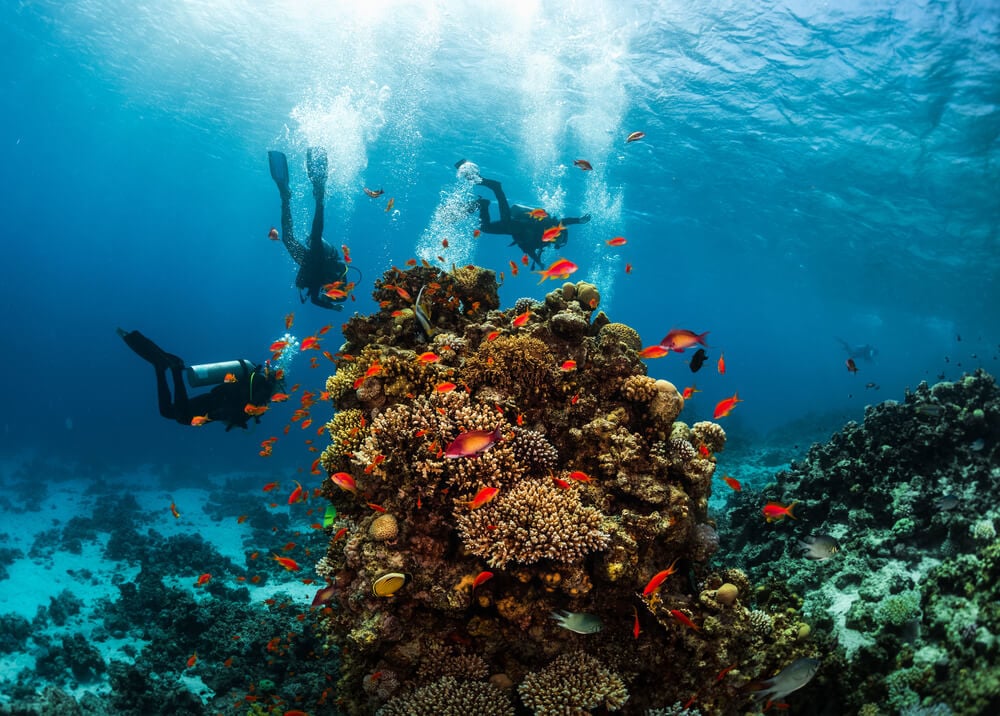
x,y
319,263
864,352
519,222
242,390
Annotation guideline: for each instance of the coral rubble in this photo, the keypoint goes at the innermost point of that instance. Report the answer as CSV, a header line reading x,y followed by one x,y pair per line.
x,y
597,489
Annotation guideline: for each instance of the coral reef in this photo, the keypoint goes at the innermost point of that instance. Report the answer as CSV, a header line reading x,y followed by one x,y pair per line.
x,y
909,602
594,489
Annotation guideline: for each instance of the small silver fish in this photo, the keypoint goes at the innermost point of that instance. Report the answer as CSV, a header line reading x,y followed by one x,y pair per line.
x,y
819,548
579,622
947,503
977,445
792,678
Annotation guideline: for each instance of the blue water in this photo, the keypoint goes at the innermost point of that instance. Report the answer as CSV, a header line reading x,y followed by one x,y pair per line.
x,y
809,172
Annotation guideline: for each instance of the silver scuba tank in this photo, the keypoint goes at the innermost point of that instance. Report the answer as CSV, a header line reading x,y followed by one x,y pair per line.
x,y
199,376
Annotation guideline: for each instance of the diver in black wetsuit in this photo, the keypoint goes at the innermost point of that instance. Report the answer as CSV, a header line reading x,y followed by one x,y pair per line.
x,y
319,263
515,220
227,402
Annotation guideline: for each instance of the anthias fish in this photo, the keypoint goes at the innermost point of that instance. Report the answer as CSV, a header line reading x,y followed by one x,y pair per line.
x,y
472,443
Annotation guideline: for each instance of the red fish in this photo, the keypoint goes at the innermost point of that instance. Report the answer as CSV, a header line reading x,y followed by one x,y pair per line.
x,y
689,391
658,579
472,443
704,451
635,627
198,420
559,269
492,335
373,193
272,234
287,562
722,364
192,660
634,137
521,319
340,533
684,619
568,365
296,495
174,512
310,343
628,268
654,352
617,241
482,497
580,476
724,407
775,511
345,481
334,292
538,214
289,320
270,486
561,483
481,578
278,346
475,233
552,233
732,482
852,366
679,339
203,579
583,164
428,357
254,410
444,387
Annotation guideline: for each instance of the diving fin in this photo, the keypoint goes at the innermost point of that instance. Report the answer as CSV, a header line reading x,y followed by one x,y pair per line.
x,y
316,165
279,169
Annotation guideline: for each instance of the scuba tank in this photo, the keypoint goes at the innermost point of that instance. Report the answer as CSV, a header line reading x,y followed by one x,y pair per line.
x,y
199,376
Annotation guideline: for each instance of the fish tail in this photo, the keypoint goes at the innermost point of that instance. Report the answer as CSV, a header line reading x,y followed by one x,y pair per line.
x,y
790,510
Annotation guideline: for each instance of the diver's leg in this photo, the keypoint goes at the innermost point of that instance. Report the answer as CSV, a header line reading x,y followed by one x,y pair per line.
x,y
146,349
279,172
502,203
316,168
163,398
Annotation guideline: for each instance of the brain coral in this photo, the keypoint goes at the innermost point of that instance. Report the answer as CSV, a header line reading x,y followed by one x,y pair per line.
x,y
532,520
573,683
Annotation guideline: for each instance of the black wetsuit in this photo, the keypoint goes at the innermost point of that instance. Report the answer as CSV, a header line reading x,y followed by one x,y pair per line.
x,y
225,402
319,263
516,223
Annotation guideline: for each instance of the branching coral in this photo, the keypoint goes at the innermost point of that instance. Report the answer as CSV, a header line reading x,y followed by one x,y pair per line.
x,y
531,521
450,697
574,683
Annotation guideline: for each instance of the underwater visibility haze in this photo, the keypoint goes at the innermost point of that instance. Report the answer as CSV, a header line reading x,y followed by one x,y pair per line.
x,y
477,490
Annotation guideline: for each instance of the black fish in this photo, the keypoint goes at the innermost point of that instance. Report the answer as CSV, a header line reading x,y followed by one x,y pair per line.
x,y
698,360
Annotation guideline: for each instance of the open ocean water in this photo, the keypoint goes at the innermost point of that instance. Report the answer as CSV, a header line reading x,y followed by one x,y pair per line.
x,y
816,182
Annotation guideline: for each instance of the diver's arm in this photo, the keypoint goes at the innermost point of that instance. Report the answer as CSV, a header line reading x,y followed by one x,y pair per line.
x,y
570,220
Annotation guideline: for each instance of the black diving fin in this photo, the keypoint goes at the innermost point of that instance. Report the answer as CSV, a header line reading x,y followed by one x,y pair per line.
x,y
316,165
279,169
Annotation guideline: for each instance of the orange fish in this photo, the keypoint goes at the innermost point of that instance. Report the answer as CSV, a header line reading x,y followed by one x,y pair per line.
x,y
444,243
679,339
475,233
230,378
373,193
377,508
704,451
684,619
538,214
472,443
203,579
392,203
289,320
852,366
617,241
524,259
444,387
722,364
345,481
724,407
241,519
428,357
228,662
552,233
568,365
583,164
481,577
192,660
340,533
689,391
654,352
482,497
559,269
199,420
278,346
628,268
272,234
658,579
270,486
732,482
309,343
580,476
287,562
492,335
296,495
561,483
635,627
634,137
775,511
522,319
174,512
254,410
334,293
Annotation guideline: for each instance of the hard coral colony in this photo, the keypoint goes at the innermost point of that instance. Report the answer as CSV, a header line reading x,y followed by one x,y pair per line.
x,y
446,640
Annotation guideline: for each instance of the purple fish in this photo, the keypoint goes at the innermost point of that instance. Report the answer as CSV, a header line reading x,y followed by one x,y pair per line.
x,y
473,443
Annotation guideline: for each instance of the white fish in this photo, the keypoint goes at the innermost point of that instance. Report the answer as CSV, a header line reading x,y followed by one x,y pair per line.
x,y
819,548
792,678
579,622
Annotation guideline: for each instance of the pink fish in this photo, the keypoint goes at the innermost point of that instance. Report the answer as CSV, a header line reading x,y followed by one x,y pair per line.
x,y
678,339
559,269
473,443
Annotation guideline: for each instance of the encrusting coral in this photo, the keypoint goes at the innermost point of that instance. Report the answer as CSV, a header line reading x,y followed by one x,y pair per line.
x,y
590,487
